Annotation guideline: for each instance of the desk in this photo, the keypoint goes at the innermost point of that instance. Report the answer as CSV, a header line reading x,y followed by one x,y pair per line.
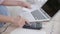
x,y
14,30
48,26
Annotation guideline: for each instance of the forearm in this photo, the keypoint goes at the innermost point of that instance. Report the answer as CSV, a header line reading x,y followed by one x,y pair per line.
x,y
11,3
6,19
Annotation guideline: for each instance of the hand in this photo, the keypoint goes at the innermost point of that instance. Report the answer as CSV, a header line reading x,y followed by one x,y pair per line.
x,y
19,21
24,4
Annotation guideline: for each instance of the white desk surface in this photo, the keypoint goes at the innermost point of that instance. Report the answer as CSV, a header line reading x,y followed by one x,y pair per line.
x,y
15,30
27,31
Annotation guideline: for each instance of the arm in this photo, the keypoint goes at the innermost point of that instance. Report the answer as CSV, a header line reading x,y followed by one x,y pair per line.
x,y
18,21
6,19
11,3
15,3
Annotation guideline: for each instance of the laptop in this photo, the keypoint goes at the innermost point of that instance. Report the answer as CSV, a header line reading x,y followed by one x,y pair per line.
x,y
37,14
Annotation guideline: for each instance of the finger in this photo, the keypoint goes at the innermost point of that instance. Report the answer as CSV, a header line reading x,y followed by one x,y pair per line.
x,y
27,22
22,24
28,6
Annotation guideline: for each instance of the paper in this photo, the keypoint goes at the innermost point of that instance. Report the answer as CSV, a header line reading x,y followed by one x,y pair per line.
x,y
27,31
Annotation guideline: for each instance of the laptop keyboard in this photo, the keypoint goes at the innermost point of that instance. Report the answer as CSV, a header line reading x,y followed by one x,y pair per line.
x,y
37,15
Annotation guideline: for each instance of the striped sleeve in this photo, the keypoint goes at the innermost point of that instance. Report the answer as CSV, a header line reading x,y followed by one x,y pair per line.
x,y
1,1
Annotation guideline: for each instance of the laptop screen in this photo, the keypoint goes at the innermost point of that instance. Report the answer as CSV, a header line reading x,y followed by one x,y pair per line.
x,y
51,7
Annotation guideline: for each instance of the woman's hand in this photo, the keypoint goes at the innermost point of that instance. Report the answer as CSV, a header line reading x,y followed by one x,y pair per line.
x,y
16,3
24,4
19,21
